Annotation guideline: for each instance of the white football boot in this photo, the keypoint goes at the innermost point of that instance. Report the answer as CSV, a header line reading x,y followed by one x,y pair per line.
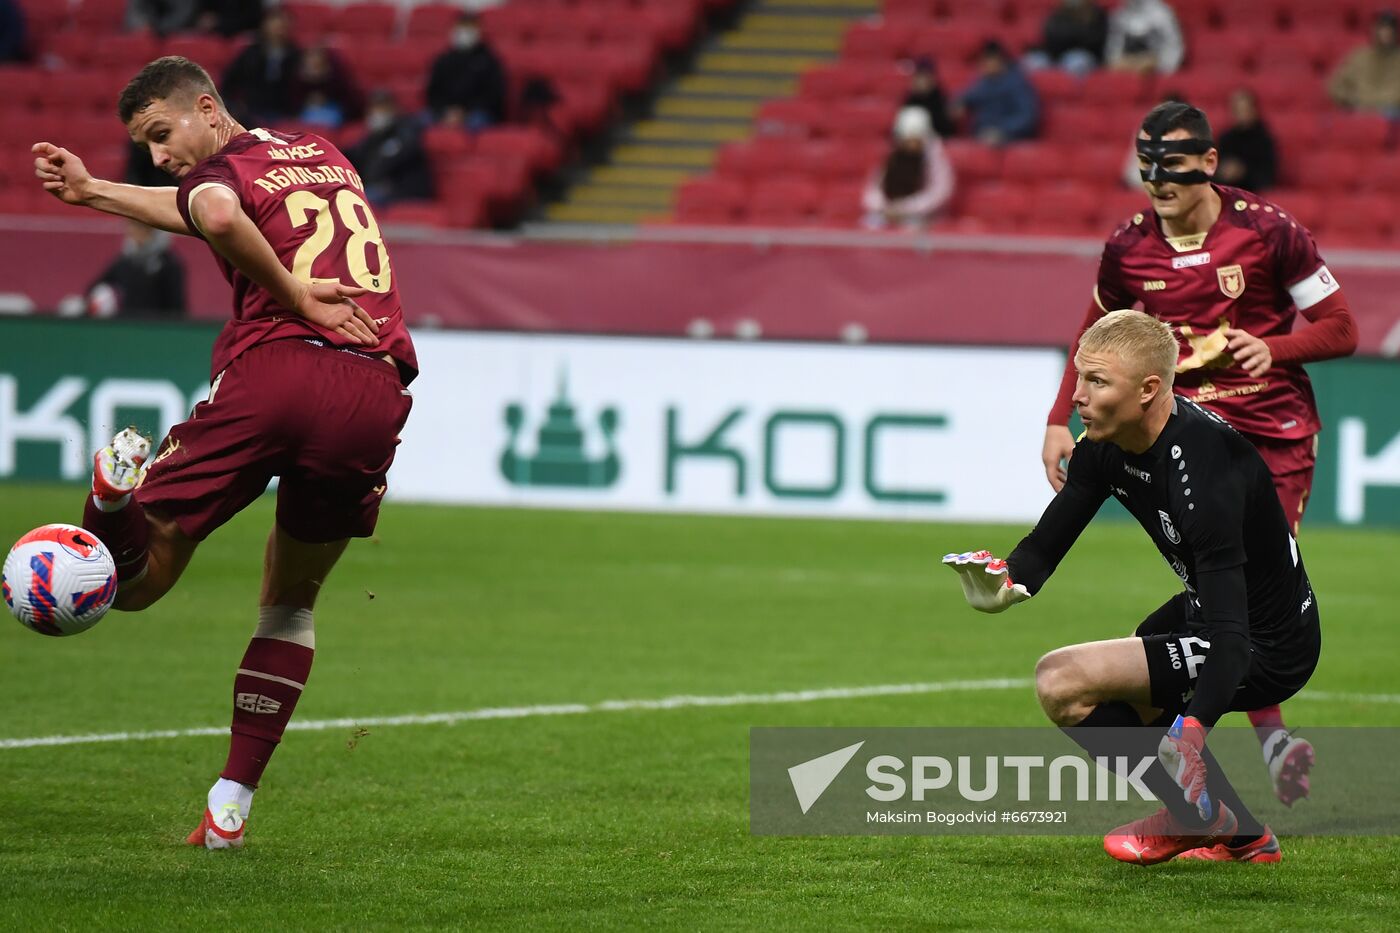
x,y
222,830
119,468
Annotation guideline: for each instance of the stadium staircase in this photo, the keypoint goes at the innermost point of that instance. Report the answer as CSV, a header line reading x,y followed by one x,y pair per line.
x,y
714,103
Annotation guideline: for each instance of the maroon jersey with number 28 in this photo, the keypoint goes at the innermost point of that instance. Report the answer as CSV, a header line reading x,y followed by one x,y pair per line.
x,y
309,203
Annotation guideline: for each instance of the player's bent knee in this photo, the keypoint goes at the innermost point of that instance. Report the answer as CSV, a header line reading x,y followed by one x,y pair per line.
x,y
1061,688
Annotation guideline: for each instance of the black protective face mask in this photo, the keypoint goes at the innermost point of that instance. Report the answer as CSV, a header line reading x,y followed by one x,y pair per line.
x,y
1154,150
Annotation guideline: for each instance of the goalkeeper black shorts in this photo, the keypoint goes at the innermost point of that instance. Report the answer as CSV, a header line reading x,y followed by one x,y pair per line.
x,y
1177,647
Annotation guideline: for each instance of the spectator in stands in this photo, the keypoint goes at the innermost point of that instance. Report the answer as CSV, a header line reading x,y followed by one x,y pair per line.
x,y
916,181
229,17
467,85
326,92
1369,78
1072,38
926,91
161,16
1001,105
390,158
146,280
1248,156
1144,36
258,83
12,32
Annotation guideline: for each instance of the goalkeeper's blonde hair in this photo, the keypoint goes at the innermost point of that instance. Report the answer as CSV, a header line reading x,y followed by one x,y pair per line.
x,y
1144,344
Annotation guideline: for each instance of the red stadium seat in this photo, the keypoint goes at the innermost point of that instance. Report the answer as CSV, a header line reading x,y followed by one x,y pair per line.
x,y
23,87
841,205
417,213
1228,50
100,17
877,42
1115,87
973,162
311,22
996,207
73,49
843,161
212,52
1100,167
366,20
947,41
511,23
1027,162
789,117
1067,209
1361,221
1056,86
1257,16
764,157
445,144
710,200
783,202
842,81
1328,170
1360,132
1383,173
79,92
916,11
1304,206
531,147
126,54
431,21
866,119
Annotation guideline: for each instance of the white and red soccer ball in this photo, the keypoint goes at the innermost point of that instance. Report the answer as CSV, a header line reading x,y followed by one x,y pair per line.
x,y
59,580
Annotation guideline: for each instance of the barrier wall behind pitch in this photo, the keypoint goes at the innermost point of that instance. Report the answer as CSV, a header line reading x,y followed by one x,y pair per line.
x,y
671,425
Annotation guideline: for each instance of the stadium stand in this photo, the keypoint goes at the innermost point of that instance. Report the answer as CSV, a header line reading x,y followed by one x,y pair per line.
x,y
594,55
778,121
1086,124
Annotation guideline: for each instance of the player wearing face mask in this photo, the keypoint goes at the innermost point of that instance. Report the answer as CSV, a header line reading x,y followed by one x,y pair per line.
x,y
1231,272
467,85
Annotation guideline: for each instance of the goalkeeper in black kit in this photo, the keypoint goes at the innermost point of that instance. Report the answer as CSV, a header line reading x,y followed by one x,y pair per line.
x,y
1243,634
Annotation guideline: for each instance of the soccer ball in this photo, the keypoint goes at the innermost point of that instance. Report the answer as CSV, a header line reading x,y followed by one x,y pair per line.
x,y
59,580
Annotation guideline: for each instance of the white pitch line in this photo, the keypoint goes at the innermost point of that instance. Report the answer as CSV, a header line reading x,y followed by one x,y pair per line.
x,y
615,706
561,709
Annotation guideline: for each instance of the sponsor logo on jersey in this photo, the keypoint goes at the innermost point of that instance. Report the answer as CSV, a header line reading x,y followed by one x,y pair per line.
x,y
1143,475
1185,262
1168,528
1231,280
1154,285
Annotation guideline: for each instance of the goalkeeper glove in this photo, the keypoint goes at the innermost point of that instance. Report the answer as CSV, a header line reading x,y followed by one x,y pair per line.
x,y
985,581
1180,754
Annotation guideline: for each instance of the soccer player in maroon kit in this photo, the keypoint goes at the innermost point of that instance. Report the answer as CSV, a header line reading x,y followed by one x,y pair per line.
x,y
1230,271
307,383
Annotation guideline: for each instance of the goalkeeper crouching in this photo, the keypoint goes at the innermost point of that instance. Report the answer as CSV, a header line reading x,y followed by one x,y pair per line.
x,y
1243,634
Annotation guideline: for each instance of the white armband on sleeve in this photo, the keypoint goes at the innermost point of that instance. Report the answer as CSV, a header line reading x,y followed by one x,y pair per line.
x,y
1313,289
189,201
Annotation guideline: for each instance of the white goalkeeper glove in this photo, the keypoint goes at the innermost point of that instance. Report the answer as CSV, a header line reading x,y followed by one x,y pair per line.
x,y
985,581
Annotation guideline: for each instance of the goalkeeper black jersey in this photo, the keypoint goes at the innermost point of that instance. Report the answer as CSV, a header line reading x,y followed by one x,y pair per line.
x,y
1207,501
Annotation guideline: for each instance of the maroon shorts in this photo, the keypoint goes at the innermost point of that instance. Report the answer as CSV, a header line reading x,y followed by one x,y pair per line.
x,y
1292,463
324,420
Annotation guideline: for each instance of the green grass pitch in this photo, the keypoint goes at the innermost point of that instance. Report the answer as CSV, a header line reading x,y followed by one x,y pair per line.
x,y
610,820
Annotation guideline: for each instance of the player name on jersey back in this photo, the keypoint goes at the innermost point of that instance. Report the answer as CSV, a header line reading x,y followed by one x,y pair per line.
x,y
282,177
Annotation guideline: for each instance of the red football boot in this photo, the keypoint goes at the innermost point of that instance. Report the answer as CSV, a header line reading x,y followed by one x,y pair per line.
x,y
1159,837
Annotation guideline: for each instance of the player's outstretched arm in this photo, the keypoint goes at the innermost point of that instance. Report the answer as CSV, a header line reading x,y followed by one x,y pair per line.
x,y
986,582
229,230
66,177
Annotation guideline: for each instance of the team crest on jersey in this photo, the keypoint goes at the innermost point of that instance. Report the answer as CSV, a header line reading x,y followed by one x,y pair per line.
x,y
1231,280
1168,528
